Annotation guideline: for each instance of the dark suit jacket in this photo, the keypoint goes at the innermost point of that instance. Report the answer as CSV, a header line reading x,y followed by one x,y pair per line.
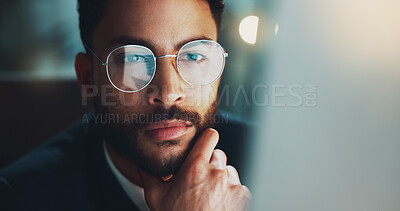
x,y
69,172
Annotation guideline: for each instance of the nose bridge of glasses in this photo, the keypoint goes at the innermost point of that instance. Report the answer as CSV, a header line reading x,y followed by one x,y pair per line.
x,y
166,56
169,56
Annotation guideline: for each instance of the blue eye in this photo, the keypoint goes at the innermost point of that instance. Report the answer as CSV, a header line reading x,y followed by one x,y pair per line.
x,y
134,58
194,57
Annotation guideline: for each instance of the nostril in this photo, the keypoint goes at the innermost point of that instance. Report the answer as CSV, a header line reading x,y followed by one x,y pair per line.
x,y
165,101
179,99
157,100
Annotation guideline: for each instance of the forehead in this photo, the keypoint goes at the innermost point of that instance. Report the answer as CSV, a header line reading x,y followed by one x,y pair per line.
x,y
164,24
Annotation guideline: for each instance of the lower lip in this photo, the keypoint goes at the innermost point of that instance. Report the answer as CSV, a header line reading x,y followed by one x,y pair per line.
x,y
168,133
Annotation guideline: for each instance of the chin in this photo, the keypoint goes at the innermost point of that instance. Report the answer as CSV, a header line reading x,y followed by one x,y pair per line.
x,y
163,161
163,158
165,149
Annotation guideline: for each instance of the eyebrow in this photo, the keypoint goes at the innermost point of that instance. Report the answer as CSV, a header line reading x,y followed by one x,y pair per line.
x,y
128,40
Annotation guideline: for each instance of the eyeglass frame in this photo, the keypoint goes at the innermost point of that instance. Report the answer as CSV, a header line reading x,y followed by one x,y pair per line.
x,y
225,55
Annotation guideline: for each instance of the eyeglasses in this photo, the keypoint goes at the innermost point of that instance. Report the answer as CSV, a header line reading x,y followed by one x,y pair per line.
x,y
131,68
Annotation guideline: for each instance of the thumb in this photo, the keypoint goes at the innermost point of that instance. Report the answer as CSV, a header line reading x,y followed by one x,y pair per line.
x,y
203,148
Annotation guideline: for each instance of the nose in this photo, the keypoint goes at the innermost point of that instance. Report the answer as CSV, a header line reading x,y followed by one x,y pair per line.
x,y
167,86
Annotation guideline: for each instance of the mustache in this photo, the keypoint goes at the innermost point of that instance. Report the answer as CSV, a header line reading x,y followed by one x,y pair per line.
x,y
162,114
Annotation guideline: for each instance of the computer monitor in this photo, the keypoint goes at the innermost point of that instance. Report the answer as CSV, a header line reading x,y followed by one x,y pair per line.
x,y
329,138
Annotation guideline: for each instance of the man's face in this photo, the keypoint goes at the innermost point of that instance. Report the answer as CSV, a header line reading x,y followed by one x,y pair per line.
x,y
162,26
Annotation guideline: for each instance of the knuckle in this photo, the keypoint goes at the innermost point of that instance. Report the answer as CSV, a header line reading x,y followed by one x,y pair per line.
x,y
219,151
239,197
231,168
247,192
238,191
218,174
219,154
241,192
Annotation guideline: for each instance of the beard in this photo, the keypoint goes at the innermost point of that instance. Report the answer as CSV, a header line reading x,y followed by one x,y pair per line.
x,y
122,136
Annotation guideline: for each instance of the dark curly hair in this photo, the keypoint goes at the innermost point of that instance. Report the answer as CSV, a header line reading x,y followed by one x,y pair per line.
x,y
91,11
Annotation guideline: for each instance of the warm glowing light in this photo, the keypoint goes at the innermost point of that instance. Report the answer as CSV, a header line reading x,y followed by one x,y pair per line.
x,y
248,29
276,29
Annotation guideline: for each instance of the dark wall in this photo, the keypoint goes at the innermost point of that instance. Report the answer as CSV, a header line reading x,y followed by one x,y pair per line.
x,y
32,112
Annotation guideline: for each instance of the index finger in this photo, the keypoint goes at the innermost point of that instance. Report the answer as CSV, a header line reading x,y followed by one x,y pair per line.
x,y
203,147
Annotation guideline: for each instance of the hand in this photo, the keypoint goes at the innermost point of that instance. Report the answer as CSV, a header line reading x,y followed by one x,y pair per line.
x,y
204,182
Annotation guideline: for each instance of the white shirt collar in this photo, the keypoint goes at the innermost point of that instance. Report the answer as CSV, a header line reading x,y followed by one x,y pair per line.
x,y
135,193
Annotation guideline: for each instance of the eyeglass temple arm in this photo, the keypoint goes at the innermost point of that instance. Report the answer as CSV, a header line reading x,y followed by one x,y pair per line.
x,y
102,63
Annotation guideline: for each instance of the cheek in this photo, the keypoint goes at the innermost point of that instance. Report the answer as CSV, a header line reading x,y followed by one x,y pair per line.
x,y
200,98
131,101
115,100
118,102
100,76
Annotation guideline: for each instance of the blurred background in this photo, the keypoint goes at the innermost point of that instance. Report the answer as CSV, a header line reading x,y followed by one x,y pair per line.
x,y
320,79
40,96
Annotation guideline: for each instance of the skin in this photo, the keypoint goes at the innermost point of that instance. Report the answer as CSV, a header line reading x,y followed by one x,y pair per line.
x,y
165,26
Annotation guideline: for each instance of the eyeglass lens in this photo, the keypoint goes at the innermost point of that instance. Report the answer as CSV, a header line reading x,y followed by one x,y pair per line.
x,y
131,68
